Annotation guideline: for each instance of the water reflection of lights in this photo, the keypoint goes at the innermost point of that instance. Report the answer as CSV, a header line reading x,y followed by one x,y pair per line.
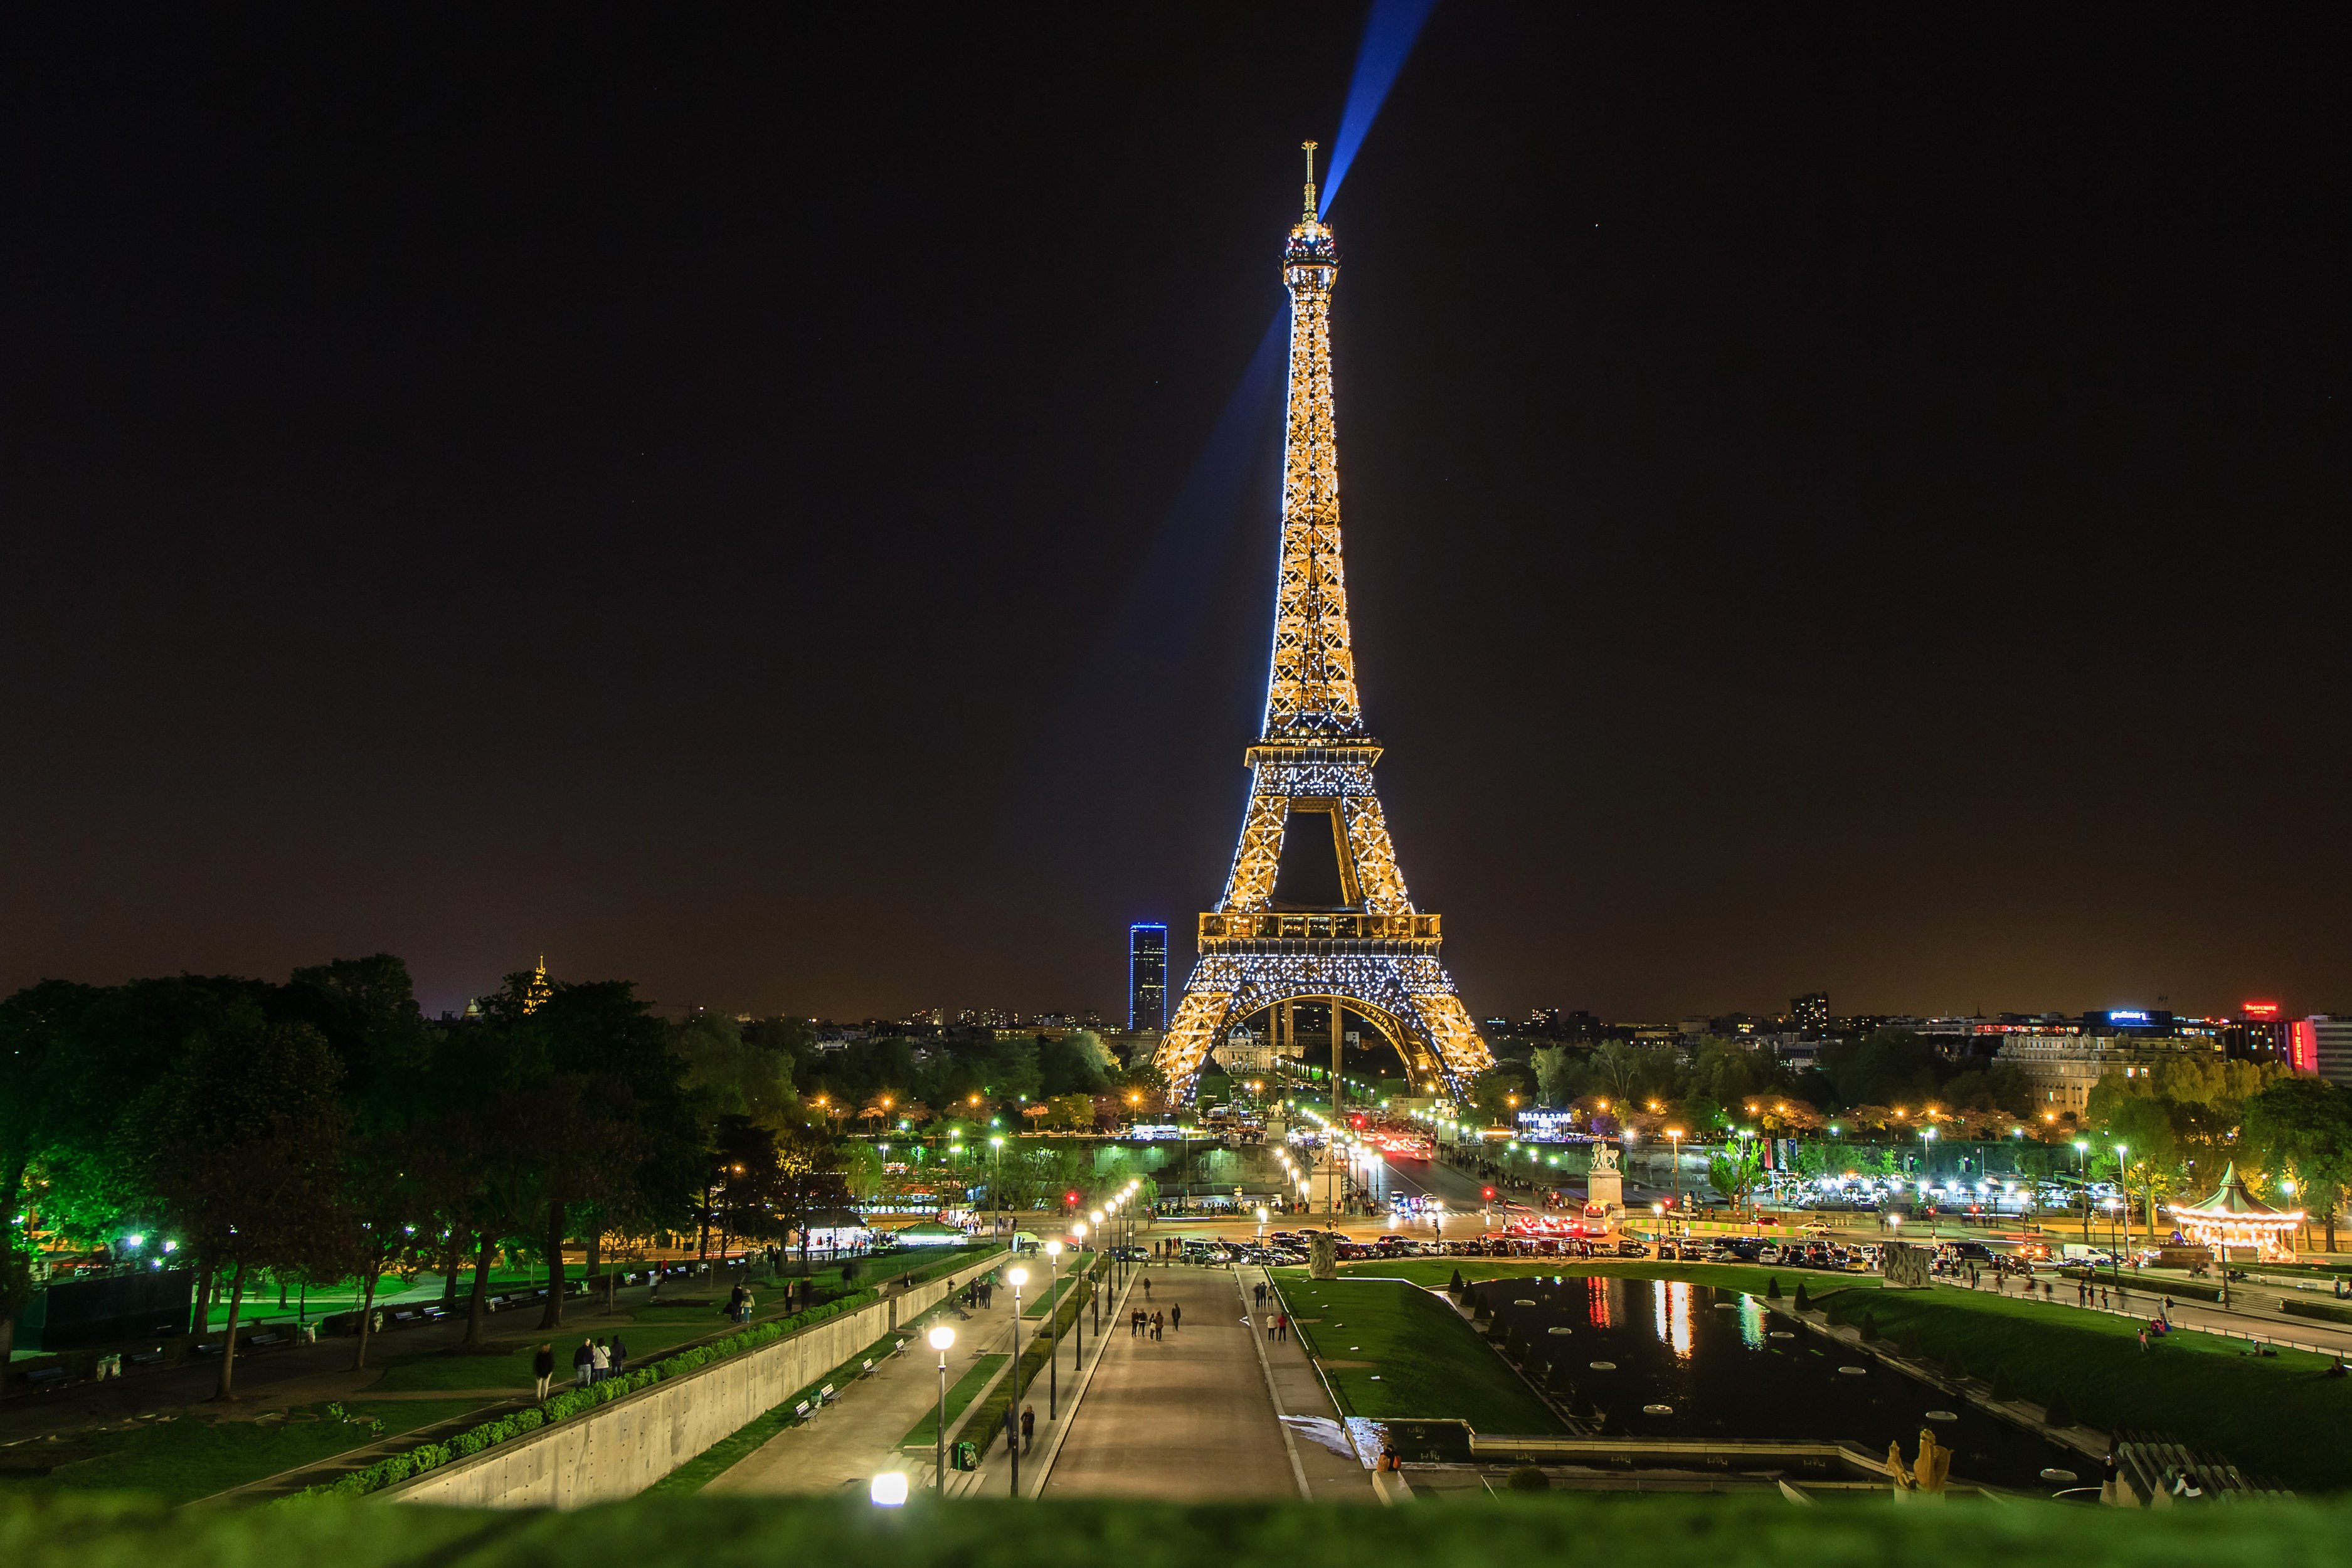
x,y
1753,1319
1672,1304
1596,1300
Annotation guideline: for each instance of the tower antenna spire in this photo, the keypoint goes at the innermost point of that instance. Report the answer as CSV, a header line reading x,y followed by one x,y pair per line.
x,y
1311,147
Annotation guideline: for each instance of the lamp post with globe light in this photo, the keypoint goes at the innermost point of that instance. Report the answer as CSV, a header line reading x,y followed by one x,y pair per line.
x,y
1078,1319
1053,1303
1016,1277
941,1338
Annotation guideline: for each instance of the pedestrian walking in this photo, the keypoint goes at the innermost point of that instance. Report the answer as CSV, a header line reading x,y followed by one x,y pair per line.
x,y
1028,1427
582,1360
735,1301
620,1356
1158,1325
744,1312
1176,1317
2166,1312
600,1361
2143,1339
543,1366
1282,1327
654,1295
1257,1293
1147,1289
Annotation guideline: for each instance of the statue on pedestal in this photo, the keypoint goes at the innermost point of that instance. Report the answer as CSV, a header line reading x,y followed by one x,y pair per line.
x,y
1604,1185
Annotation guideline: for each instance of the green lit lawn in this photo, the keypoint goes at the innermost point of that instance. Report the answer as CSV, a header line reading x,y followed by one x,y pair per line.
x,y
2275,1417
965,1389
195,1456
1416,1355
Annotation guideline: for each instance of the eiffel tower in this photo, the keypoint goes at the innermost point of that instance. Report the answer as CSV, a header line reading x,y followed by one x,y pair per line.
x,y
1372,953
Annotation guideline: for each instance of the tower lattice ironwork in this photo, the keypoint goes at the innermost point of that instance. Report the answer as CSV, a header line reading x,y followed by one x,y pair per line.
x,y
1373,953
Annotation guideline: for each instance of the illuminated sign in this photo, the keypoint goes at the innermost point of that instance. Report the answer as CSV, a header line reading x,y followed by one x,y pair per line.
x,y
2303,1046
2258,1009
2126,1016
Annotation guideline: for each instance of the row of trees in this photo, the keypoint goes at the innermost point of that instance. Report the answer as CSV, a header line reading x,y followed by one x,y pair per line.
x,y
323,1129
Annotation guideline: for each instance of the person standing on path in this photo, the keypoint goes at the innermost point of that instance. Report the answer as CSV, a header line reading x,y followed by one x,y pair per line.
x,y
620,1356
1257,1293
600,1361
582,1359
1282,1323
1158,1325
1028,1427
1176,1317
543,1366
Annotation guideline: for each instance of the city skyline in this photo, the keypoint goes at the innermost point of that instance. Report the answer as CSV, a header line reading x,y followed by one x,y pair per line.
x,y
605,509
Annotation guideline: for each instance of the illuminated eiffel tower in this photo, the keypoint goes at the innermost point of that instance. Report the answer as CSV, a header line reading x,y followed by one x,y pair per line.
x,y
1372,953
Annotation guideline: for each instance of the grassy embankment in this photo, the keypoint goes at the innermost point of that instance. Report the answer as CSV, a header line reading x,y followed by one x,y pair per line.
x,y
926,1433
2275,1415
1390,1351
195,1456
708,1465
1510,1531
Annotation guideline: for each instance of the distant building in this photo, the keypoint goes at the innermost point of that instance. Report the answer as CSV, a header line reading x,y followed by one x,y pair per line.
x,y
1146,976
2322,1044
1811,1011
2260,1033
2065,1068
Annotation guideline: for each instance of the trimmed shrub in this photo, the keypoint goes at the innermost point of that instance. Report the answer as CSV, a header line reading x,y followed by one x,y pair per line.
x,y
1457,1290
1804,1301
2059,1413
1558,1377
2003,1389
1528,1479
1869,1324
1772,1289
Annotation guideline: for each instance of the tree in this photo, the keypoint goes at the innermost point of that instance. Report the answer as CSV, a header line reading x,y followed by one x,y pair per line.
x,y
1074,1112
808,1178
1558,1074
1737,1169
1889,1066
2304,1125
1494,1090
1617,1070
729,1072
248,1150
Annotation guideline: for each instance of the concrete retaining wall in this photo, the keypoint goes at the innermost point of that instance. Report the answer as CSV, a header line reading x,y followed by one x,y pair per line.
x,y
619,1449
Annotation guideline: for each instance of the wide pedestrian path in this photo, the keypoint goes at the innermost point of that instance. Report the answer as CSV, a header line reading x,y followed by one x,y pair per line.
x,y
1192,1416
847,1441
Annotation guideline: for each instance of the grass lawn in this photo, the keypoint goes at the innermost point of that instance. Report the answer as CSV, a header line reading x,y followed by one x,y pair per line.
x,y
1506,1532
193,1456
1035,1306
965,1389
717,1460
2279,1416
1393,1350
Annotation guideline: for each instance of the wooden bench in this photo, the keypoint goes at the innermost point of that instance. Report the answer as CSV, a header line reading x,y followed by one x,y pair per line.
x,y
801,1411
263,1342
48,1377
206,1348
399,1319
825,1394
146,1358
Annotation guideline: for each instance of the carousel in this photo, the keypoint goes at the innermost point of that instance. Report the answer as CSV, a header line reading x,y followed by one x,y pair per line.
x,y
2239,1226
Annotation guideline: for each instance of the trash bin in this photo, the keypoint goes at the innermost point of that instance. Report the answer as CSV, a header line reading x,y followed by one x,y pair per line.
x,y
109,1365
309,1334
967,1456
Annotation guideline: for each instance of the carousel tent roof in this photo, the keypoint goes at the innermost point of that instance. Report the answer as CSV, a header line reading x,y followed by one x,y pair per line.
x,y
2232,1201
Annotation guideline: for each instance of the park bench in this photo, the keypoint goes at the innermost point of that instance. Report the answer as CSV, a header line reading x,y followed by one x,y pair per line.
x,y
47,1377
437,1313
207,1348
801,1411
146,1358
867,1369
404,1317
825,1394
263,1342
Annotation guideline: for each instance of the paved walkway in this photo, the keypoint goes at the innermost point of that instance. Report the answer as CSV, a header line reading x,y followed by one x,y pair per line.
x,y
1189,1417
859,1433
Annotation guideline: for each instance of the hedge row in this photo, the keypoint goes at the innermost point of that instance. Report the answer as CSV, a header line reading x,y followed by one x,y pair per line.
x,y
986,1424
432,1456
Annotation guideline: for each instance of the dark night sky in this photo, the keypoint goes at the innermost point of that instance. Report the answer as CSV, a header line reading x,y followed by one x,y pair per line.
x,y
1832,499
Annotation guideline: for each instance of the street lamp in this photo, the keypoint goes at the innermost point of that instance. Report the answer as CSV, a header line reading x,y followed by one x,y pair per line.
x,y
1674,1135
1053,1304
1016,1277
941,1338
2123,1180
1078,1321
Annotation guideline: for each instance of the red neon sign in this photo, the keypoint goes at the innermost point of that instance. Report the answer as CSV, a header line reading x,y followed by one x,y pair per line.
x,y
2258,1009
2302,1046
